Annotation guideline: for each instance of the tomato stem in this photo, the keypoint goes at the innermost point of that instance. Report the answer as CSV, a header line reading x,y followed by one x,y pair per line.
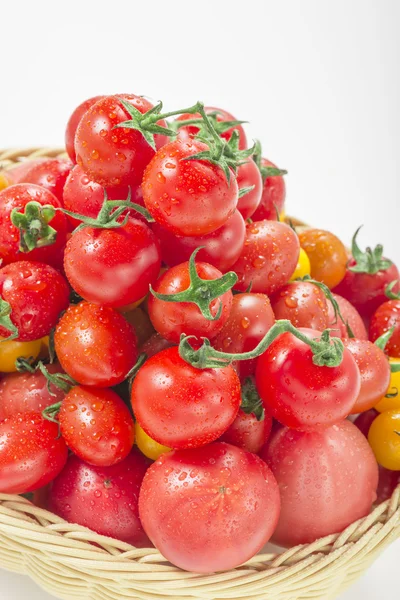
x,y
5,320
51,412
33,224
389,293
370,261
60,380
384,338
264,170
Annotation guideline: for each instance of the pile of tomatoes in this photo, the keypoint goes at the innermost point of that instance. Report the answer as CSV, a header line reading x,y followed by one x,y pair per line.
x,y
179,365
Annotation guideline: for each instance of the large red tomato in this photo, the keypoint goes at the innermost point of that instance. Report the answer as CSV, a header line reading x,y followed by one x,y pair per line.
x,y
73,123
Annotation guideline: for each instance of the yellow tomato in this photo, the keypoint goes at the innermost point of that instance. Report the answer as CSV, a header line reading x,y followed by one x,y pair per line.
x,y
147,445
391,403
384,439
3,181
303,266
11,350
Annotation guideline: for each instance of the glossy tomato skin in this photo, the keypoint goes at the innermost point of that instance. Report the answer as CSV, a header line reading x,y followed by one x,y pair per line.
x,y
273,196
350,316
104,499
221,248
209,509
248,175
73,123
188,197
222,115
113,267
300,394
18,196
50,174
171,319
331,482
386,317
17,172
303,304
10,350
247,432
37,294
180,406
327,254
31,453
384,439
269,257
374,371
95,345
28,392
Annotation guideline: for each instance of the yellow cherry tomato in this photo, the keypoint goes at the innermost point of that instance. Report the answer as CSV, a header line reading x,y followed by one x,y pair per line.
x,y
10,350
3,181
394,386
147,445
303,266
384,439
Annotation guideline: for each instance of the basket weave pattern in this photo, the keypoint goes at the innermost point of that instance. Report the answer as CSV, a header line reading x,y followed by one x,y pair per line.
x,y
70,561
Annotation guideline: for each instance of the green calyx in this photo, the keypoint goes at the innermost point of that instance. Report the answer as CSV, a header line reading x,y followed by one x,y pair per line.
x,y
382,341
61,381
246,190
389,293
327,351
370,261
33,224
5,320
265,170
251,401
219,126
201,292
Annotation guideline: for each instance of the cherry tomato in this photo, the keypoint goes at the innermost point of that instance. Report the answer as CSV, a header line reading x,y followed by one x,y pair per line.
x,y
37,294
249,176
327,255
209,509
386,317
17,196
147,445
350,316
388,482
384,439
269,257
273,196
50,174
221,249
393,401
248,432
104,499
331,481
180,406
300,394
154,345
73,123
303,266
31,453
303,304
364,421
222,116
16,172
10,350
188,197
95,345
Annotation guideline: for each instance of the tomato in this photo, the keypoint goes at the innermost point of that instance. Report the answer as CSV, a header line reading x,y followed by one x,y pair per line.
x,y
350,315
17,171
10,350
171,319
209,509
188,197
269,257
147,445
36,294
154,345
141,323
180,406
73,123
108,154
273,195
113,267
50,174
384,439
386,317
249,176
303,304
221,248
222,116
95,345
31,453
27,392
248,432
327,255
374,371
331,481
17,196
364,421
393,401
303,266
301,394
388,482
104,499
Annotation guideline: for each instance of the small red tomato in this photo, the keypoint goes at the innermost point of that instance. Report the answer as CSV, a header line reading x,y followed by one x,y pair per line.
x,y
364,421
17,172
104,499
350,315
386,317
221,117
209,509
73,123
248,432
269,257
37,294
303,304
188,197
95,345
180,406
249,176
50,174
273,195
31,453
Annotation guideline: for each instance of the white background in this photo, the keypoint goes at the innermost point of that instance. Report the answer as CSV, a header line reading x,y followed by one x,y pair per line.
x,y
318,79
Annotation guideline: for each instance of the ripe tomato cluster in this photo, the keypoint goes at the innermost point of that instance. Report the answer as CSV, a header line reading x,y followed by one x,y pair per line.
x,y
180,366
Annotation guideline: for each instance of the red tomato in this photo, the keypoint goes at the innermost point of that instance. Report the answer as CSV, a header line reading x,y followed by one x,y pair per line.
x,y
50,174
31,453
96,425
104,499
365,420
180,406
209,509
171,319
27,392
331,481
221,249
113,267
269,257
248,432
17,172
374,371
37,294
95,345
17,196
248,175
154,345
350,316
388,482
188,197
222,116
386,317
73,123
273,196
303,304
300,394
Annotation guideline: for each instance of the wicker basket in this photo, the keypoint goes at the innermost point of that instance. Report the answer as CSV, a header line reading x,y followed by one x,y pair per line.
x,y
70,561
